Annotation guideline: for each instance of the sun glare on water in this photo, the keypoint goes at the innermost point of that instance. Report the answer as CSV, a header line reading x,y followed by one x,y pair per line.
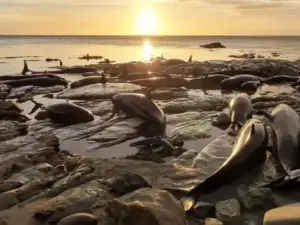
x,y
146,22
147,50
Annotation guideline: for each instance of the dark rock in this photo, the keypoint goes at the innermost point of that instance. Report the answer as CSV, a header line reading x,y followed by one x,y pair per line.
x,y
49,95
3,222
213,45
79,219
148,207
75,200
127,182
229,212
256,198
244,56
203,209
223,120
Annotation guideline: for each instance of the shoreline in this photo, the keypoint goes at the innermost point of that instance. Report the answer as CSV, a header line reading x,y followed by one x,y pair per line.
x,y
46,184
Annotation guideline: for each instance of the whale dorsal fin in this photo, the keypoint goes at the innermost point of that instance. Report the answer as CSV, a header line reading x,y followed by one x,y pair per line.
x,y
191,58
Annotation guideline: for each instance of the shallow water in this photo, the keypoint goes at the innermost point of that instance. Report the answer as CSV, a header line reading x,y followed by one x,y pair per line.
x,y
124,49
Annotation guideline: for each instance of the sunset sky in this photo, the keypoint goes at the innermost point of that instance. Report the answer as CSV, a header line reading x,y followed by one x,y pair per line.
x,y
155,17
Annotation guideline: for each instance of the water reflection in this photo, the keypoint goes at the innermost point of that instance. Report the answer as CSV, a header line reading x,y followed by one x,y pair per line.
x,y
147,50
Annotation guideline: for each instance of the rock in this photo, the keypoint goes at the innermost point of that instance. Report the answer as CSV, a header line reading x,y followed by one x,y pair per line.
x,y
256,198
229,212
49,95
4,91
212,221
244,56
213,45
127,182
75,200
10,106
186,159
260,56
12,129
79,219
35,90
3,222
203,209
148,207
98,91
223,120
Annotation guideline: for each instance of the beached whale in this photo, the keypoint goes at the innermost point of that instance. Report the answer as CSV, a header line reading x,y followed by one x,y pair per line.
x,y
64,113
141,106
207,82
75,69
240,110
88,81
280,79
235,82
285,126
37,80
248,152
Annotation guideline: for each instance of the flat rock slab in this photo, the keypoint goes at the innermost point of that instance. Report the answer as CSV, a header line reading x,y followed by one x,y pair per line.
x,y
34,90
98,91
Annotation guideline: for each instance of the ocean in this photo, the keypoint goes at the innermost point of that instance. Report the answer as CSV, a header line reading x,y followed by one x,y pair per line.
x,y
14,49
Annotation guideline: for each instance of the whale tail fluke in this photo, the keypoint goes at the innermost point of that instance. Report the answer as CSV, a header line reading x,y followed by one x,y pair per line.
x,y
25,69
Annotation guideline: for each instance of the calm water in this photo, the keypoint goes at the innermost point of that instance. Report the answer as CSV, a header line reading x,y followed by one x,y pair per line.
x,y
122,49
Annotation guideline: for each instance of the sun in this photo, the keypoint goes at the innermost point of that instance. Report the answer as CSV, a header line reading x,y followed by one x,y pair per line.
x,y
146,22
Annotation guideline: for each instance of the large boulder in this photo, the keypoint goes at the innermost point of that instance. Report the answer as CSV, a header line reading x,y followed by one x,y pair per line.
x,y
147,207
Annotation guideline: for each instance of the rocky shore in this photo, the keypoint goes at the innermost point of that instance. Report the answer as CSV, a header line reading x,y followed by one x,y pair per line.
x,y
49,171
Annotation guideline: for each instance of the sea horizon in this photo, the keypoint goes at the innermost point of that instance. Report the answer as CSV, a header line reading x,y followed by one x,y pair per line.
x,y
143,36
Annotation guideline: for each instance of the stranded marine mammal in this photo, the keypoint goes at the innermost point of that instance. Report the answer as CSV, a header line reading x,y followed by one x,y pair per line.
x,y
249,150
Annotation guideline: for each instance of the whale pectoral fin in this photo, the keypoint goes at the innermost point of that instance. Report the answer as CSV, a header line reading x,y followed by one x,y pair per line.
x,y
188,202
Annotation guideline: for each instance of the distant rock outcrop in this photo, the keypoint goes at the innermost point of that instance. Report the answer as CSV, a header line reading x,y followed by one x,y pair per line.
x,y
213,45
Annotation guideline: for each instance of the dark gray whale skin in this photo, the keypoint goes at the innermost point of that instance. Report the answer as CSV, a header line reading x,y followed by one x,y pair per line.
x,y
207,82
71,70
66,113
235,82
141,106
285,126
248,152
40,80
